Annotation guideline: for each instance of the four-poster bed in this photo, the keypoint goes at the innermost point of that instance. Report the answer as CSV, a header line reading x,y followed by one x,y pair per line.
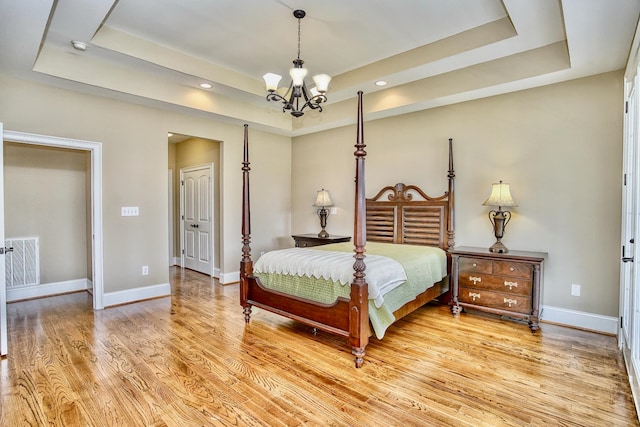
x,y
395,220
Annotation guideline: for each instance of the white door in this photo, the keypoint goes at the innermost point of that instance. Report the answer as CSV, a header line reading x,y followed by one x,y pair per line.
x,y
627,271
197,218
629,334
3,285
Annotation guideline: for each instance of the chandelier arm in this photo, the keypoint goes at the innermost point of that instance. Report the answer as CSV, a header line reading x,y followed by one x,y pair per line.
x,y
272,96
304,92
314,103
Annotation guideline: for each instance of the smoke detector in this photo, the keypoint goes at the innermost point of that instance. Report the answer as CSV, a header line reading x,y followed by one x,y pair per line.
x,y
78,45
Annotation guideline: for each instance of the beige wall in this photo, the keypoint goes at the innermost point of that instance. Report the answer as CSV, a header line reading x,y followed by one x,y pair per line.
x,y
46,197
559,146
135,159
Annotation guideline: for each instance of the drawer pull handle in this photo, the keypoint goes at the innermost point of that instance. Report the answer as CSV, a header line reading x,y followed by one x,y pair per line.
x,y
475,265
475,279
511,285
510,301
474,295
512,269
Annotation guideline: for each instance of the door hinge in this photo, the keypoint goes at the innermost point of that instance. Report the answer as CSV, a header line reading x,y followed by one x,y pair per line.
x,y
621,321
626,106
625,179
183,252
182,182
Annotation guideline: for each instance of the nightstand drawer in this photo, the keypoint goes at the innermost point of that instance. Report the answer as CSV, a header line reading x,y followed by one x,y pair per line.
x,y
510,285
502,283
475,265
513,269
516,303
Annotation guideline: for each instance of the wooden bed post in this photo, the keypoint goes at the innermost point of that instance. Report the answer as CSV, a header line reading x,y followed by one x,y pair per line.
x,y
358,306
246,264
451,218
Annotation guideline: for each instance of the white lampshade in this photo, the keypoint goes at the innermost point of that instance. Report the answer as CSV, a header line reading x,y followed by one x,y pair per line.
x,y
272,80
323,199
500,196
298,75
322,82
314,92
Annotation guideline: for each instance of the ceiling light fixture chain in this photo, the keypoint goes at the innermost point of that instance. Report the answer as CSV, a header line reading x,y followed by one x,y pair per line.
x,y
298,97
299,15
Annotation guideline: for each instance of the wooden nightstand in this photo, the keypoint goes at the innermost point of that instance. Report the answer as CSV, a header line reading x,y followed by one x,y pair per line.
x,y
506,284
308,240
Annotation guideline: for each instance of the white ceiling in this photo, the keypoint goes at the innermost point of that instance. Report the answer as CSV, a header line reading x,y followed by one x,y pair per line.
x,y
432,52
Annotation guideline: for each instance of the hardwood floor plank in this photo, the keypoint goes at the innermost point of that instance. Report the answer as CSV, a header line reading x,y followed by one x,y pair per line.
x,y
191,360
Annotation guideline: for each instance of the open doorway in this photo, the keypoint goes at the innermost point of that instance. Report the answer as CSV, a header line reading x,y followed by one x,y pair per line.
x,y
93,228
47,220
96,232
187,154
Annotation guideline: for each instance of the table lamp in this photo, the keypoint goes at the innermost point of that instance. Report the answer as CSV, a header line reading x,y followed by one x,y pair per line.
x,y
500,197
323,199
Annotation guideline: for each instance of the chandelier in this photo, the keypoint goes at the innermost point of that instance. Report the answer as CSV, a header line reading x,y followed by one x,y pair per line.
x,y
298,97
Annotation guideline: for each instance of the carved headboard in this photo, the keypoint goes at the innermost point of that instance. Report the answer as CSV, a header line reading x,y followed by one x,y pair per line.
x,y
399,218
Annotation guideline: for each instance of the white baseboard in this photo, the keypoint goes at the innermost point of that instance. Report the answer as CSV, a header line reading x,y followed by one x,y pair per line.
x,y
136,294
580,319
46,289
225,278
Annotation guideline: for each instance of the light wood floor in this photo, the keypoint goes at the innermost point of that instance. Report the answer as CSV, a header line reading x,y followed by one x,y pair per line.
x,y
189,360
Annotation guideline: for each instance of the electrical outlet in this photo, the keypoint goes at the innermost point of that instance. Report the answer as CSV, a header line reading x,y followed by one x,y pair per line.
x,y
145,270
333,211
575,290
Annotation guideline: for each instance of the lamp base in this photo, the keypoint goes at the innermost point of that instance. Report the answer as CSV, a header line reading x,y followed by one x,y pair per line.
x,y
323,233
498,248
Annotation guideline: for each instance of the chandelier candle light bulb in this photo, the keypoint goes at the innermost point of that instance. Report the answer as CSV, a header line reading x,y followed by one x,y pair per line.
x,y
298,97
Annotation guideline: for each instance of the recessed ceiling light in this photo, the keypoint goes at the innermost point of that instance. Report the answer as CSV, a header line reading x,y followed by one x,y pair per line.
x,y
381,83
78,45
205,85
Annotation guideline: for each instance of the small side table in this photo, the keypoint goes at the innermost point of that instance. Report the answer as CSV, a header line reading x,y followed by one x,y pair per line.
x,y
506,284
308,240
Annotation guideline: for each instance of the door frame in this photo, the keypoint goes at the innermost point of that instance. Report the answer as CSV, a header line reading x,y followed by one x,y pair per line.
x,y
627,328
629,325
95,149
171,226
209,166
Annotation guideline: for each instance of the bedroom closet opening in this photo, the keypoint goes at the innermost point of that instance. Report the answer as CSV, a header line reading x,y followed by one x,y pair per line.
x,y
194,195
47,220
86,156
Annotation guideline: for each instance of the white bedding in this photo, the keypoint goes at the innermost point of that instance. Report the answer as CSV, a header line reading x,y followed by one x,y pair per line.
x,y
383,274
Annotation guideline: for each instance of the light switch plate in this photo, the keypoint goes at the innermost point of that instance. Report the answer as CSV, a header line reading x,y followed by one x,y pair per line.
x,y
130,211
